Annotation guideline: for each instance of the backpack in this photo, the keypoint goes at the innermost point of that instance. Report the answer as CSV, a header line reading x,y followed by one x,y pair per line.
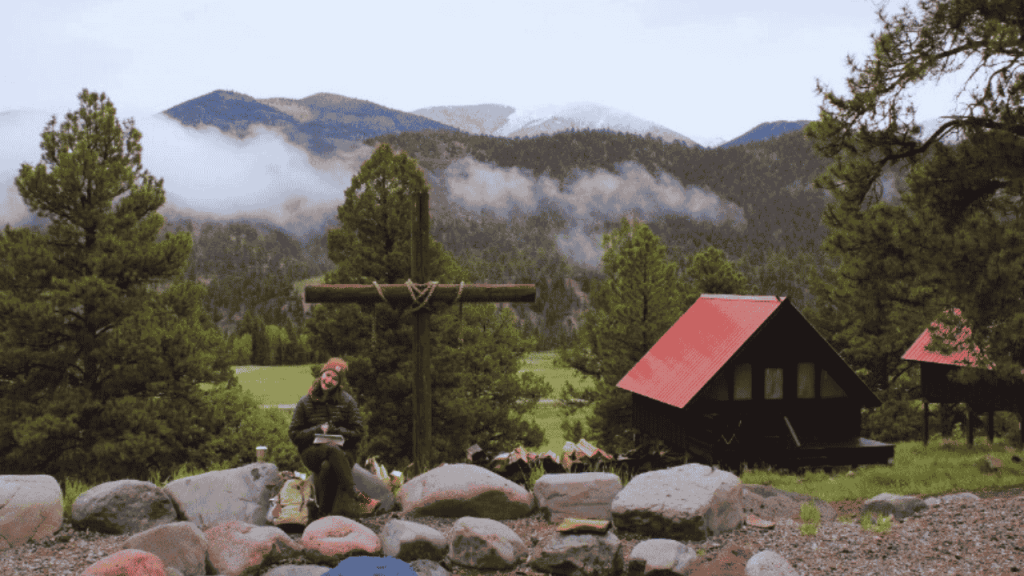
x,y
291,506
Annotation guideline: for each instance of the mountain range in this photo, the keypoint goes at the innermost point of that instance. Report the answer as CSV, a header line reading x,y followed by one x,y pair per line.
x,y
323,123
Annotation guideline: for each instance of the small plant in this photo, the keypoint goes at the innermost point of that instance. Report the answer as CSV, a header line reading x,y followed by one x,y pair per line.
x,y
873,523
811,516
701,551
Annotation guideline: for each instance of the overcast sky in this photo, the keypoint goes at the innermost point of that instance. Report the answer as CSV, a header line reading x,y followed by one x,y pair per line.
x,y
710,70
706,69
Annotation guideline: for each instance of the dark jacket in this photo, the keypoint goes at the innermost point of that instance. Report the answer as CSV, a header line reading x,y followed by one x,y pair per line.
x,y
337,408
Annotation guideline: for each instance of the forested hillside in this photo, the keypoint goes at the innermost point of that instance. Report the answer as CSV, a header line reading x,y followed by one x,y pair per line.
x,y
252,267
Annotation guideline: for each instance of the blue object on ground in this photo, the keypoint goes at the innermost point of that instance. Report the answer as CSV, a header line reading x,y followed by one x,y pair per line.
x,y
371,566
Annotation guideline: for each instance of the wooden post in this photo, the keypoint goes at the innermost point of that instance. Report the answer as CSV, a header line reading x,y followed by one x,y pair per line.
x,y
422,439
970,425
926,422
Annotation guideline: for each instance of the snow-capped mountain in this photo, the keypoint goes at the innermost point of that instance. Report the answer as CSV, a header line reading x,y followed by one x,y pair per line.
x,y
499,120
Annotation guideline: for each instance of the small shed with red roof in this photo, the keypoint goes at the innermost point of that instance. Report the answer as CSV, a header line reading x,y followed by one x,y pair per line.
x,y
986,395
748,379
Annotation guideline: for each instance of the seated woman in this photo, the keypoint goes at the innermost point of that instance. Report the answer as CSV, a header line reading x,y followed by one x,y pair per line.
x,y
329,409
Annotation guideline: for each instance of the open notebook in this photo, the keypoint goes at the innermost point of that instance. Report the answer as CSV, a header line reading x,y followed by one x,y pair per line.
x,y
336,439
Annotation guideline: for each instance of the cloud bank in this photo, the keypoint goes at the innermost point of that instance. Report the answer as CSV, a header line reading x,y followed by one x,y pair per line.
x,y
207,174
587,200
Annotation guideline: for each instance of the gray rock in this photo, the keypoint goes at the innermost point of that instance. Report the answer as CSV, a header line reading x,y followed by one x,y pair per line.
x,y
241,494
457,490
586,495
181,545
410,541
122,507
484,544
899,506
583,554
429,568
769,563
689,502
660,557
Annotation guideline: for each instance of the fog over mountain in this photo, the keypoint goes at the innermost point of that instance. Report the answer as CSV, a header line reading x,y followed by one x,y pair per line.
x,y
212,175
586,202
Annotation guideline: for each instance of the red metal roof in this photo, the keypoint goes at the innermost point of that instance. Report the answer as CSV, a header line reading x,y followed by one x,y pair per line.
x,y
917,351
697,346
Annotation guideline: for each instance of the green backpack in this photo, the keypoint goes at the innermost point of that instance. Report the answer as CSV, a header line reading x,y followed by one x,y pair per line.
x,y
292,504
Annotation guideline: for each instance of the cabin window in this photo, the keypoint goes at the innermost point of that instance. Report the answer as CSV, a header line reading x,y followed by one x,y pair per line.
x,y
805,380
719,388
773,383
829,388
741,382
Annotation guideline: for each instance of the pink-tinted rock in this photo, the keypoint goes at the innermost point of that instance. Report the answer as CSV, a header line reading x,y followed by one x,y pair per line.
x,y
128,563
237,548
334,538
31,508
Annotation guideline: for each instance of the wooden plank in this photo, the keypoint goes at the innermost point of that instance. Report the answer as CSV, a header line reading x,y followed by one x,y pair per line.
x,y
398,294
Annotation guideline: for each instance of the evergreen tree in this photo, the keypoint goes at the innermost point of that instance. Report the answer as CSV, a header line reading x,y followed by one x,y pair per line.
x,y
949,236
99,374
710,272
639,300
473,383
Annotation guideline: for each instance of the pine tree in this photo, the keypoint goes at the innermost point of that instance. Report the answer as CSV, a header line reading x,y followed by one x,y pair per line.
x,y
98,372
639,300
710,272
474,382
949,234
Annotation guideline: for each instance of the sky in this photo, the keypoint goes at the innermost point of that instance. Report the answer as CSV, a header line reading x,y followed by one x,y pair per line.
x,y
708,70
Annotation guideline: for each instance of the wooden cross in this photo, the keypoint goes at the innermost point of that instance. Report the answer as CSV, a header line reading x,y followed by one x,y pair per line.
x,y
418,292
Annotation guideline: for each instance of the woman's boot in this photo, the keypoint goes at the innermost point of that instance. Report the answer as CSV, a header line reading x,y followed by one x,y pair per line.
x,y
346,504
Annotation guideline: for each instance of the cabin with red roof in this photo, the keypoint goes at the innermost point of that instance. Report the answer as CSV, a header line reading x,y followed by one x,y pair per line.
x,y
986,395
747,379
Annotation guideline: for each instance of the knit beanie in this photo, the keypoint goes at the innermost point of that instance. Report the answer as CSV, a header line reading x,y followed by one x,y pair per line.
x,y
337,365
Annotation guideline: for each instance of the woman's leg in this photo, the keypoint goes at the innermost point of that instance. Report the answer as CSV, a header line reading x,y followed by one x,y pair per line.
x,y
316,459
344,485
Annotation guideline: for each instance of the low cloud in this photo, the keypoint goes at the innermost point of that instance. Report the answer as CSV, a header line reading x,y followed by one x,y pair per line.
x,y
207,174
587,199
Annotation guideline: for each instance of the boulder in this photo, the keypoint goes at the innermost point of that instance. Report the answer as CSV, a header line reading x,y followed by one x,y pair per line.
x,y
689,502
334,538
31,508
660,557
122,507
134,562
899,506
769,563
960,498
585,495
241,494
484,544
237,548
429,568
464,490
372,486
411,541
180,545
582,554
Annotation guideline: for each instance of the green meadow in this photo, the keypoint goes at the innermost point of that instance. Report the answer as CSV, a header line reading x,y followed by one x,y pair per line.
x,y
276,385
